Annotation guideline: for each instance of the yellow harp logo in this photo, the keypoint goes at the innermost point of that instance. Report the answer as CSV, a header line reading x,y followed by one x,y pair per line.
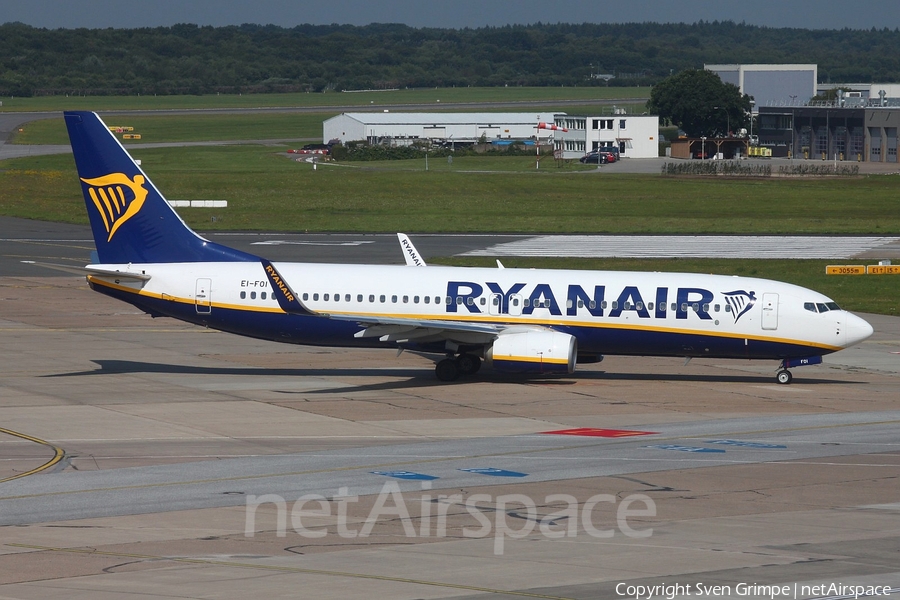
x,y
117,198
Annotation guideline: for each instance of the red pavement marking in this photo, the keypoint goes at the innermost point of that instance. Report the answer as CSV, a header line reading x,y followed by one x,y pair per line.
x,y
594,432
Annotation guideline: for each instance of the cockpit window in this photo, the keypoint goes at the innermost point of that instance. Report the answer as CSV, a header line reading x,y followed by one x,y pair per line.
x,y
821,307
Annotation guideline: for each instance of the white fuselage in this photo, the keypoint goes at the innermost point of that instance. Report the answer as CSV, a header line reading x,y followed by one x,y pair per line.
x,y
609,312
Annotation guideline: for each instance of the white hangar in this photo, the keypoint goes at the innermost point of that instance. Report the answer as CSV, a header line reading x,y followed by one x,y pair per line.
x,y
404,128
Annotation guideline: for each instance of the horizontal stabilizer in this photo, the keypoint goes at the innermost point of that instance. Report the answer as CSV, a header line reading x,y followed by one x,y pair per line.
x,y
91,270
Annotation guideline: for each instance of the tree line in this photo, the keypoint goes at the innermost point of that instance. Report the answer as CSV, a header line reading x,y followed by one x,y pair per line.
x,y
189,59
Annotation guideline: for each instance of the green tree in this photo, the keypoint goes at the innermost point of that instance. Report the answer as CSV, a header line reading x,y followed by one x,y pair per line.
x,y
700,103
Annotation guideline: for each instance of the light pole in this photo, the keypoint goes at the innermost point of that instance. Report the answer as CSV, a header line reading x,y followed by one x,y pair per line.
x,y
727,118
702,147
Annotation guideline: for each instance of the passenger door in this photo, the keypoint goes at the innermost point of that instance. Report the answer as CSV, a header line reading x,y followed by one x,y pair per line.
x,y
202,296
770,311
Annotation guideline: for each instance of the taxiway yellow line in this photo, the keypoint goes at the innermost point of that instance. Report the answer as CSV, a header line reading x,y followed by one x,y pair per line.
x,y
58,454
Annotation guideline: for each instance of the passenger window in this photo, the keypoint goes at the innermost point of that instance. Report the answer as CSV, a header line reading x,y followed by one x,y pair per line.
x,y
371,297
603,305
405,299
526,302
415,299
684,307
695,307
305,296
381,298
427,299
706,307
727,308
359,297
315,296
437,300
263,295
394,299
581,304
615,304
470,300
627,306
325,297
459,300
449,300
675,306
639,306
593,304
337,297
244,295
515,301
482,301
662,307
495,301
253,295
716,307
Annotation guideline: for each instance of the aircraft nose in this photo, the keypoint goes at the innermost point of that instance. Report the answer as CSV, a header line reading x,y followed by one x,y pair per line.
x,y
857,330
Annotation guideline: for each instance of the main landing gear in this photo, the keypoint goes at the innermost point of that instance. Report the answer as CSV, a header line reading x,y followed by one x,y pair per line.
x,y
450,368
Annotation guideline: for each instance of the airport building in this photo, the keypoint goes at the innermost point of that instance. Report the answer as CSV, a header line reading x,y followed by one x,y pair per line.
x,y
405,128
771,85
636,136
836,131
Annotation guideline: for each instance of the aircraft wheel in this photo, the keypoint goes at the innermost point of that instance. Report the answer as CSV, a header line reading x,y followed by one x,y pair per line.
x,y
784,377
468,364
447,370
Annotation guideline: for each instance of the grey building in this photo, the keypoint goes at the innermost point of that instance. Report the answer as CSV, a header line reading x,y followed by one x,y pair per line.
x,y
771,85
831,132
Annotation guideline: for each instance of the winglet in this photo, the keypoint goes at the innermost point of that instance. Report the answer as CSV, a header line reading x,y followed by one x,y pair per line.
x,y
287,299
412,256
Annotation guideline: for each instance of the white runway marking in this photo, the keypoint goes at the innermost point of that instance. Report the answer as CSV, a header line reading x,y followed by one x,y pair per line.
x,y
687,246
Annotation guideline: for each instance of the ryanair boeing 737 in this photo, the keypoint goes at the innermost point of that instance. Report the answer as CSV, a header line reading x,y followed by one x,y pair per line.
x,y
513,320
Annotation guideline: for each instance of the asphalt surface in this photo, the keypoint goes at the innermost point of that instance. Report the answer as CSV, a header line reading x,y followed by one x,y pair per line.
x,y
146,458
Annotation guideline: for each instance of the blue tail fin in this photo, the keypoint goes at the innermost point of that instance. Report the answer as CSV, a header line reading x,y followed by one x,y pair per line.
x,y
130,219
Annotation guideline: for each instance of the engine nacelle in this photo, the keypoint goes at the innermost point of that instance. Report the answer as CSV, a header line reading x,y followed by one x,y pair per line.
x,y
533,351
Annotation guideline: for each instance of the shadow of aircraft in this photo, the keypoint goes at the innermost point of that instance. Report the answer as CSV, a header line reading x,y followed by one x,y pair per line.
x,y
423,377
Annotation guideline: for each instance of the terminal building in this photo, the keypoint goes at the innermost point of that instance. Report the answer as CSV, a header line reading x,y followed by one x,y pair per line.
x,y
635,136
405,128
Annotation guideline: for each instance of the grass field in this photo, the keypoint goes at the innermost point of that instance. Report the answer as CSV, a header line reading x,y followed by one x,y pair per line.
x,y
185,128
266,190
434,96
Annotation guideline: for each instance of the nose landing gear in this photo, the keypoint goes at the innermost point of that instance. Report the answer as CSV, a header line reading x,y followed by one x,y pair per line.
x,y
784,376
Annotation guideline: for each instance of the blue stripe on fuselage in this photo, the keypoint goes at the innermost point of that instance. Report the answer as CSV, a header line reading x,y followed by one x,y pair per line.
x,y
322,331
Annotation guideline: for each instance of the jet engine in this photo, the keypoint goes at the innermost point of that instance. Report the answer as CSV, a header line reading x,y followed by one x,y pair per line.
x,y
533,351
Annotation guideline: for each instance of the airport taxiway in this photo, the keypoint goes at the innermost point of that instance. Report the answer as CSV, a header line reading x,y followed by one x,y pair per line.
x,y
157,437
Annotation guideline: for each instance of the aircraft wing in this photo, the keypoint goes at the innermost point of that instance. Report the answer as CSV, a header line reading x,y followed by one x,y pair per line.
x,y
392,329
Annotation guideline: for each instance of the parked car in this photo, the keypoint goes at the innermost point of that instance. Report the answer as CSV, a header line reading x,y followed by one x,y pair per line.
x,y
613,150
602,157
